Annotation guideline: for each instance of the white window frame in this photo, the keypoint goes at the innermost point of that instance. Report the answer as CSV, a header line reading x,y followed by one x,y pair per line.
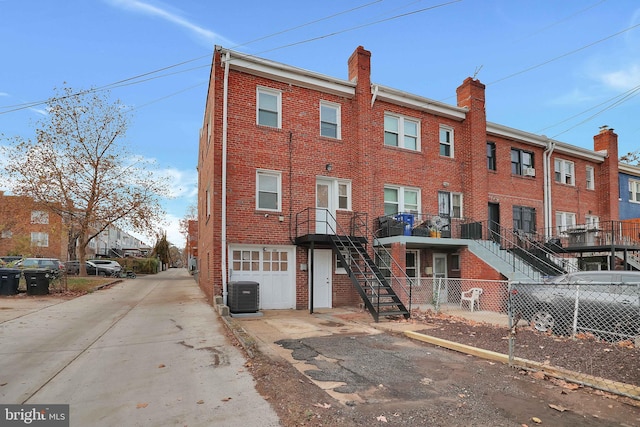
x,y
413,280
591,178
278,192
39,217
338,268
634,191
271,92
40,239
592,222
401,133
207,204
344,195
565,221
454,201
401,205
338,124
6,234
564,172
448,130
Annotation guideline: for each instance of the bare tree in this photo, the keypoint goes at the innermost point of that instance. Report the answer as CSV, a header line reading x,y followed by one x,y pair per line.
x,y
190,215
79,167
632,158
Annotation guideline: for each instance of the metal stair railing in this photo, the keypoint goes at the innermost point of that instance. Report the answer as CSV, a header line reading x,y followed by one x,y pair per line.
x,y
365,275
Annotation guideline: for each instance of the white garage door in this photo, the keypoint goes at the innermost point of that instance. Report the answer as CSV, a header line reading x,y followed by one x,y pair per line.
x,y
272,267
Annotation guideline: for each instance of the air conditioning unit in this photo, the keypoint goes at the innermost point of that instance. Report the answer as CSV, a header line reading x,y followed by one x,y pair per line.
x,y
529,172
243,297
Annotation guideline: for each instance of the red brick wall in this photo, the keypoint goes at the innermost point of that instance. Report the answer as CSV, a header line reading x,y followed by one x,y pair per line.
x,y
300,154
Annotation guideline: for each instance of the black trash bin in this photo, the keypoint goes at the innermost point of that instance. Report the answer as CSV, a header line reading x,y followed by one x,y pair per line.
x,y
9,281
37,281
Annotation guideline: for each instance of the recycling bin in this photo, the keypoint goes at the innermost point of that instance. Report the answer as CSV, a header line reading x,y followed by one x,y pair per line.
x,y
9,281
407,219
38,280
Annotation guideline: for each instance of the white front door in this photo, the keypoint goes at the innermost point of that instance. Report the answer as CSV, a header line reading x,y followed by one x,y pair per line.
x,y
439,277
325,207
322,266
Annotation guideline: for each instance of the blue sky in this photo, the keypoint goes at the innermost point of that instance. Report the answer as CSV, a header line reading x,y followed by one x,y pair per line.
x,y
558,68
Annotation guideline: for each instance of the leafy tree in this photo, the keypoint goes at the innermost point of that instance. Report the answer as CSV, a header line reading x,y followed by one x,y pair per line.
x,y
161,249
79,167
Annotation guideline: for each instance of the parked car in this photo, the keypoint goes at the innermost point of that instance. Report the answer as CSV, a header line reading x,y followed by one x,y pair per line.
x,y
114,266
56,266
73,268
603,303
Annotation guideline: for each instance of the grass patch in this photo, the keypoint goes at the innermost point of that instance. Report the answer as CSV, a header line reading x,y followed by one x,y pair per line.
x,y
86,284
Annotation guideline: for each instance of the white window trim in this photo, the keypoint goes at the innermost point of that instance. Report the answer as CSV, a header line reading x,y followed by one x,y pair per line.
x,y
338,109
563,172
451,205
40,239
591,178
451,143
565,221
337,192
634,188
401,132
278,176
278,95
401,205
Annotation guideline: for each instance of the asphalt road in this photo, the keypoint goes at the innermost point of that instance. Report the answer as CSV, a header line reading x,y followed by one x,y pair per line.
x,y
147,351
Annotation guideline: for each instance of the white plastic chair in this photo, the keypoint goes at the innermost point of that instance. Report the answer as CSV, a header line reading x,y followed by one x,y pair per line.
x,y
472,296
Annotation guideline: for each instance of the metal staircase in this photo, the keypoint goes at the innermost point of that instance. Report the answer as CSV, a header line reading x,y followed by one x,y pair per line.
x,y
375,289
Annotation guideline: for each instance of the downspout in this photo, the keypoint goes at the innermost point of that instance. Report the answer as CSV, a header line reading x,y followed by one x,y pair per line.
x,y
223,231
374,95
548,212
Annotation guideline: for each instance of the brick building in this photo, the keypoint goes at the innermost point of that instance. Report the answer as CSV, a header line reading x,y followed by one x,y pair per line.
x,y
289,159
29,230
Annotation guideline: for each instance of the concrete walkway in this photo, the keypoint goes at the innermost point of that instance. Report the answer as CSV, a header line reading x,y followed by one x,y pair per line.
x,y
144,352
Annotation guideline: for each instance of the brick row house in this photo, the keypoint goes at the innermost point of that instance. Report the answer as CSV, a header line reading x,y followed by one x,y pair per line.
x,y
308,182
29,229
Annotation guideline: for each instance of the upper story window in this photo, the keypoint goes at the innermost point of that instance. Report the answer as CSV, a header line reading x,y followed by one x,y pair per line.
x,y
268,190
401,199
634,191
491,156
401,132
40,239
449,204
446,141
207,204
269,107
522,162
564,172
591,184
330,120
39,217
6,234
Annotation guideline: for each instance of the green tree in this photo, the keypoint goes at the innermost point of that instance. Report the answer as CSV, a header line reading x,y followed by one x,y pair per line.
x,y
78,166
161,249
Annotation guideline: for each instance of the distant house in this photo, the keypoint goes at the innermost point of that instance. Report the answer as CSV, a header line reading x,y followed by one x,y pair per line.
x,y
323,189
192,246
30,230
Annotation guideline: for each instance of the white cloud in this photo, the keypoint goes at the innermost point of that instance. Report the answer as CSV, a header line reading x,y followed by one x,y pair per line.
x,y
145,8
622,79
182,183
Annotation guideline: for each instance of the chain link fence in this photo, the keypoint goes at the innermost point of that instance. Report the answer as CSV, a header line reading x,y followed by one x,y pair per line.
x,y
576,333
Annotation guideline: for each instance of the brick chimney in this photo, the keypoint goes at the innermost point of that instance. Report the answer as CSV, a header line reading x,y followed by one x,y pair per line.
x,y
360,67
471,146
606,141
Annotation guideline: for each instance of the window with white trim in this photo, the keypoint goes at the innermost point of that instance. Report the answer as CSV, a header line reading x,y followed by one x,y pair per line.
x,y
6,234
40,239
521,161
591,184
564,172
246,260
39,217
339,268
592,222
344,195
449,204
412,266
565,221
207,204
401,132
401,199
330,120
634,191
491,156
446,141
269,107
268,190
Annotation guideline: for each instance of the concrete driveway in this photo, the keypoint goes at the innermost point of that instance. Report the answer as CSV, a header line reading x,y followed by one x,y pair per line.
x,y
147,351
